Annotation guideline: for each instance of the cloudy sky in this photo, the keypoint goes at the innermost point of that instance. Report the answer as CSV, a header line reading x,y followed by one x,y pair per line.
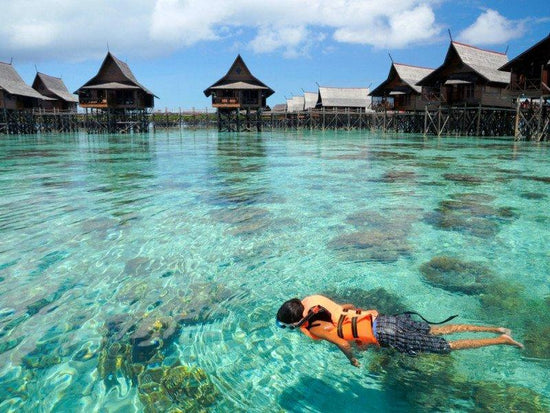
x,y
177,48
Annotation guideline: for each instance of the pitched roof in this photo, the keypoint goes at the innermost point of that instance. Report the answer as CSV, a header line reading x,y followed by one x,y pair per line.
x,y
56,86
239,73
239,85
12,83
310,99
538,53
408,74
484,62
295,104
124,71
344,97
279,107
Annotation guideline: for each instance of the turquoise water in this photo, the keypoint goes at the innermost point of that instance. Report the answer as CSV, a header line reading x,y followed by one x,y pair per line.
x,y
124,256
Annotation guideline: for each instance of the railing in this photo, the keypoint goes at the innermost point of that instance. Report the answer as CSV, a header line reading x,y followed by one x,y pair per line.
x,y
225,101
93,101
525,85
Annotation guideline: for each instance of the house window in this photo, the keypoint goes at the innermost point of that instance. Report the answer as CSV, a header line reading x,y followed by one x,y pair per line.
x,y
468,91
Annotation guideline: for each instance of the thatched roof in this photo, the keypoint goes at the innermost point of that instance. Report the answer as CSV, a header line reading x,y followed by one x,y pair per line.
x,y
344,97
238,85
115,71
295,104
55,86
310,99
485,63
539,54
279,107
405,75
12,83
239,77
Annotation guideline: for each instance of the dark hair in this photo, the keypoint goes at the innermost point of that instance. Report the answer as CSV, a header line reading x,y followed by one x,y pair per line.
x,y
291,311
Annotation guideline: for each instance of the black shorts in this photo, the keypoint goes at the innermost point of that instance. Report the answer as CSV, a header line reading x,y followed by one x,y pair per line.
x,y
406,335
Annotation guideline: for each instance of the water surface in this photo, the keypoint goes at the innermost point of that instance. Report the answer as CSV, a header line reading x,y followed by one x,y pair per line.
x,y
123,257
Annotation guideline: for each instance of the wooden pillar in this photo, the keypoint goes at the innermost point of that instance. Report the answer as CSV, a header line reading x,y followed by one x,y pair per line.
x,y
516,124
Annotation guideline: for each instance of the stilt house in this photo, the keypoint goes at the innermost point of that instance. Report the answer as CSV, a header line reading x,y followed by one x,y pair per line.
x,y
310,100
400,91
239,89
55,89
15,94
345,99
114,87
469,76
530,71
295,104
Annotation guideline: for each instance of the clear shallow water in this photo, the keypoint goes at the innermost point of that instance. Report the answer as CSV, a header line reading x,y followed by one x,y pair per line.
x,y
123,255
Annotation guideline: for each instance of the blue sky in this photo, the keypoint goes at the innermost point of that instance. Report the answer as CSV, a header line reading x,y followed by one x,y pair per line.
x,y
177,48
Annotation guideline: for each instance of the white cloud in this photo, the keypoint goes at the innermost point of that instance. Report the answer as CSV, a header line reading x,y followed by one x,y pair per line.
x,y
393,31
55,29
492,28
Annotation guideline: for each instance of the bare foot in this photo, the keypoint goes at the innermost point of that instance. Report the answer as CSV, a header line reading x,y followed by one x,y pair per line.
x,y
506,331
511,341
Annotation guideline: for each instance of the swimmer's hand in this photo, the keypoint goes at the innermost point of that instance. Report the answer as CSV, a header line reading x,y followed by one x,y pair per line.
x,y
354,362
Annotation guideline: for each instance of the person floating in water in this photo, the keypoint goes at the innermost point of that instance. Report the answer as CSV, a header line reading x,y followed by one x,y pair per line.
x,y
320,318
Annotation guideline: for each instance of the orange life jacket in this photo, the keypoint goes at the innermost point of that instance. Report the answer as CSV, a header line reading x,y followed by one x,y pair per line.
x,y
351,325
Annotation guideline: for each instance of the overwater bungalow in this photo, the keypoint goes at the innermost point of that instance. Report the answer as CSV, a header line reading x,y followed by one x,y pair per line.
x,y
239,89
310,100
295,104
114,87
469,76
279,107
530,71
344,99
400,91
55,89
15,94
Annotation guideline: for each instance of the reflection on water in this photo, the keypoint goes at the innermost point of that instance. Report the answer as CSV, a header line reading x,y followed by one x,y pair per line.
x,y
142,273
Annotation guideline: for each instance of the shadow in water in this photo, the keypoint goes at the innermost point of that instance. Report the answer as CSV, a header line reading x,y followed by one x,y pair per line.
x,y
313,394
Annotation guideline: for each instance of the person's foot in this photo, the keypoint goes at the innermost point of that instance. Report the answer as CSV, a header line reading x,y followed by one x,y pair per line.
x,y
510,341
506,331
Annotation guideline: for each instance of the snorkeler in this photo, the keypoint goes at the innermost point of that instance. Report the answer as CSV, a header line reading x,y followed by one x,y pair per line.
x,y
322,319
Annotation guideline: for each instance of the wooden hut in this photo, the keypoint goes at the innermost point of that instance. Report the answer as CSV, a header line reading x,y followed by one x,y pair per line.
x,y
400,91
344,99
530,71
279,107
15,94
114,87
310,100
295,104
469,76
55,89
238,90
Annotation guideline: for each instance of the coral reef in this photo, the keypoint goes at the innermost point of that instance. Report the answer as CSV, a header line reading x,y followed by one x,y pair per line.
x,y
373,245
379,237
470,213
463,179
430,382
456,275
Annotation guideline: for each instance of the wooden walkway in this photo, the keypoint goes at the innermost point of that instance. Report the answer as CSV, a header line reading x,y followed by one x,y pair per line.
x,y
441,121
523,122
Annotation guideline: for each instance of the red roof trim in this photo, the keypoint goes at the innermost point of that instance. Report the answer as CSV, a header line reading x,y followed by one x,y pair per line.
x,y
478,48
419,67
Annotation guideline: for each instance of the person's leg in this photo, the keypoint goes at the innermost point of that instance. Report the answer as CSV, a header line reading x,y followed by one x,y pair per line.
x,y
504,339
460,328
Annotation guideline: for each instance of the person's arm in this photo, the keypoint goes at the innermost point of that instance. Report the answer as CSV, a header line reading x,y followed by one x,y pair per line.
x,y
326,331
